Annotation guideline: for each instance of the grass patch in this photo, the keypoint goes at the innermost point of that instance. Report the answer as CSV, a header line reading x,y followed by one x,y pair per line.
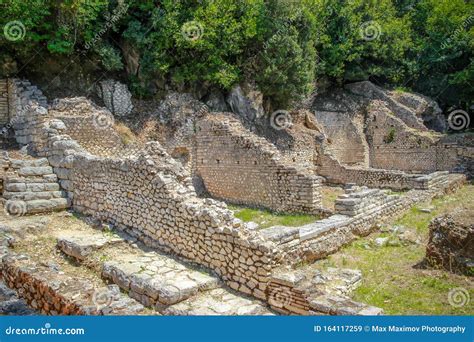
x,y
329,195
392,276
266,218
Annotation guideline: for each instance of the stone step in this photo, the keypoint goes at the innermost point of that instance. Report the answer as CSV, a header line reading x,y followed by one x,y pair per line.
x,y
35,170
30,196
341,305
54,292
19,163
30,187
217,302
155,279
312,230
19,207
31,179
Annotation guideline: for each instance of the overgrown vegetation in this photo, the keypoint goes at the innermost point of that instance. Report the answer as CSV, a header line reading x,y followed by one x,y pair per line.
x,y
266,218
287,47
394,277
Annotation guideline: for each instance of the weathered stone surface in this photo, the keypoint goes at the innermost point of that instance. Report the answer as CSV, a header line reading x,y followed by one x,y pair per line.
x,y
217,302
116,96
451,244
53,292
80,245
161,278
248,106
11,304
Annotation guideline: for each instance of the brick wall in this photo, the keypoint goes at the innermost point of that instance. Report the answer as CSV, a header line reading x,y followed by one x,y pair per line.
x,y
238,166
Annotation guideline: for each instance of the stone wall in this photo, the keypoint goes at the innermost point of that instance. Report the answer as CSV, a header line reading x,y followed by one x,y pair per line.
x,y
92,127
394,145
334,172
317,240
137,192
450,243
53,293
152,199
369,127
4,111
238,166
21,94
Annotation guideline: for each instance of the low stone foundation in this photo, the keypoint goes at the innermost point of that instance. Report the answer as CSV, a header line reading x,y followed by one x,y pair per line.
x,y
451,242
53,293
304,292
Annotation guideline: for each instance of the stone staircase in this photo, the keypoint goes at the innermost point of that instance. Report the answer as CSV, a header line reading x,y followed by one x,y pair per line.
x,y
309,291
157,281
30,187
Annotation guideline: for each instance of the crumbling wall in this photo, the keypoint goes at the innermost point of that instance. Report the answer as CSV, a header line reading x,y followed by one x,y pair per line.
x,y
394,145
451,244
92,127
238,166
151,198
342,120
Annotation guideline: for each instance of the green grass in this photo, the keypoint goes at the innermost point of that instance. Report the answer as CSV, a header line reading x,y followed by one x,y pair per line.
x,y
392,276
266,218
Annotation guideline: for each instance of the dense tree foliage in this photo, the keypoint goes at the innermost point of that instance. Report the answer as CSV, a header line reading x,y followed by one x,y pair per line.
x,y
287,47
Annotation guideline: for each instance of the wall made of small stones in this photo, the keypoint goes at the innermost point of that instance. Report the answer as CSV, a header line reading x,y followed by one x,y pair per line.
x,y
330,168
151,198
238,166
373,206
394,146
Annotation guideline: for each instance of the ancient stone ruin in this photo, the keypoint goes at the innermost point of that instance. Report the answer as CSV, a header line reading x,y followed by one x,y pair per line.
x,y
155,243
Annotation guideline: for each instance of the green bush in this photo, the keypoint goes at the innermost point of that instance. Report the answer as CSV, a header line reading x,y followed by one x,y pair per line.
x,y
286,46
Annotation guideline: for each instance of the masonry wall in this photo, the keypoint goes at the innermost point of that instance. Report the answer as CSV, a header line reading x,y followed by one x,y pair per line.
x,y
363,210
151,199
150,196
330,168
393,145
90,126
240,167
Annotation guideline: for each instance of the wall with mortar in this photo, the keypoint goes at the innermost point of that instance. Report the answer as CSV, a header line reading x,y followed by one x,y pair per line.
x,y
151,198
358,213
394,145
91,126
334,172
238,166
